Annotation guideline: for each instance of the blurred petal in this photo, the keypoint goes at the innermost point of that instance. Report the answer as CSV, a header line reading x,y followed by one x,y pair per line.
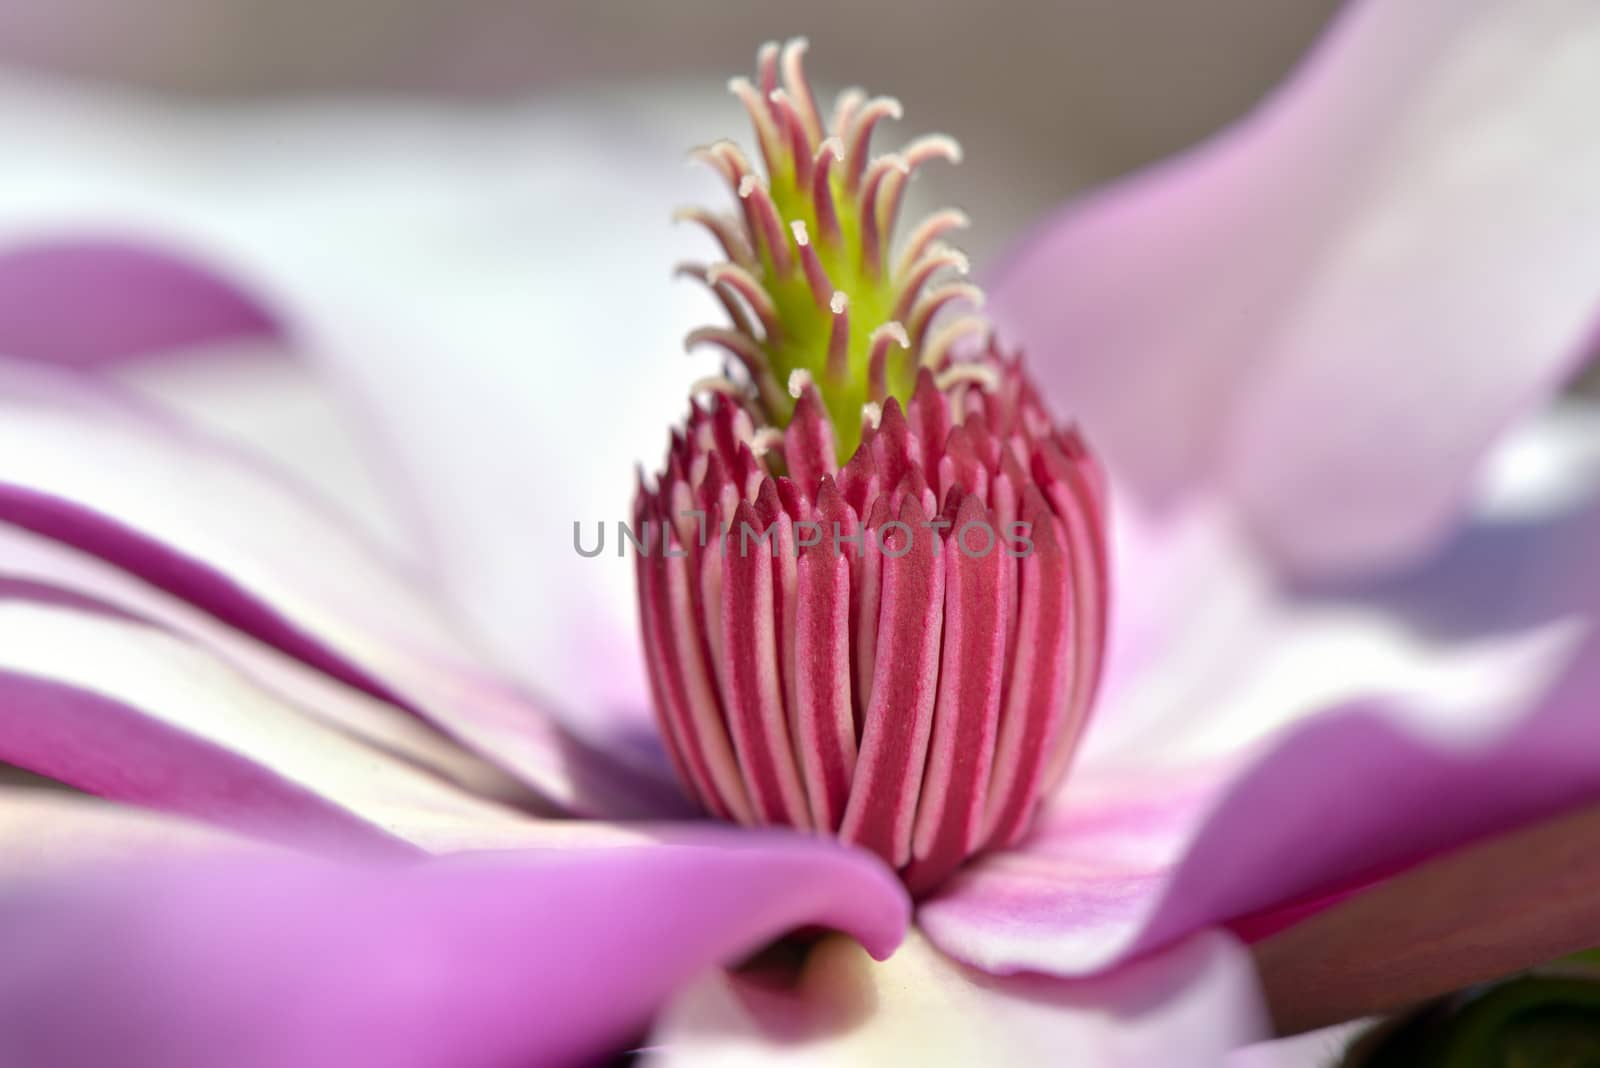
x,y
257,395
530,958
1483,912
1360,733
120,708
920,1007
81,464
1357,288
99,301
37,564
489,289
1318,1049
48,829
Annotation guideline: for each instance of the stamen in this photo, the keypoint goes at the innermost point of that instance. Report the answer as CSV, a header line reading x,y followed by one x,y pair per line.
x,y
927,232
938,349
765,222
885,337
700,273
981,375
744,349
830,152
872,239
858,139
816,275
839,336
718,384
919,152
794,78
767,67
767,439
845,107
761,118
794,130
933,301
799,381
724,230
930,147
937,260
743,283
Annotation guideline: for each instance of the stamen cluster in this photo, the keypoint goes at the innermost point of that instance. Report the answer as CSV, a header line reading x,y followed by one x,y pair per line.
x,y
901,650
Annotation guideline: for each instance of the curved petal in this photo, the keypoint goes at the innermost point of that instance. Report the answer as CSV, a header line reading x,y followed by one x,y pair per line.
x,y
1334,308
1360,733
39,566
82,465
489,290
528,958
1190,1004
46,830
118,707
94,302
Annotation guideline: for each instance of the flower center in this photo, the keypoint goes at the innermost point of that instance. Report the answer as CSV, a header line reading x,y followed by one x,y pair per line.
x,y
809,282
901,650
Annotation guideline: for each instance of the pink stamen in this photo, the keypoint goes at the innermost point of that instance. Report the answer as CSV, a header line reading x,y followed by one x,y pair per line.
x,y
830,152
858,137
816,274
765,223
794,78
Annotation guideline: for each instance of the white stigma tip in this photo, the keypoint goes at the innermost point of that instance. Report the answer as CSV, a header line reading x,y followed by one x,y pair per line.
x,y
839,303
798,228
799,382
747,186
833,145
765,440
872,414
739,84
892,108
894,331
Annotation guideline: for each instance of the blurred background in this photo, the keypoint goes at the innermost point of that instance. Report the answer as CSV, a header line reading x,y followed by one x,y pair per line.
x,y
1054,94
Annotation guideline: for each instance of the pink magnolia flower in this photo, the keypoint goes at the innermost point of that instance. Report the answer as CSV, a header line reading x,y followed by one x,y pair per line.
x,y
1349,627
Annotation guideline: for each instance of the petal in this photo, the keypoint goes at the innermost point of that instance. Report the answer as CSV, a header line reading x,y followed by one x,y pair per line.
x,y
33,566
95,302
44,829
1318,1049
1362,732
1192,1004
1359,286
210,526
488,290
527,958
258,396
1489,910
118,707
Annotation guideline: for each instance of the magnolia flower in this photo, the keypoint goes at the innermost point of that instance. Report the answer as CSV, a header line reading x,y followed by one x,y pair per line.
x,y
1348,630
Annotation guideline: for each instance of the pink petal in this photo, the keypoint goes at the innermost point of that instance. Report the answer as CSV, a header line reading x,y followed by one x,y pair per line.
x,y
127,710
212,528
46,829
98,301
1356,288
1189,1005
529,958
1362,732
40,566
